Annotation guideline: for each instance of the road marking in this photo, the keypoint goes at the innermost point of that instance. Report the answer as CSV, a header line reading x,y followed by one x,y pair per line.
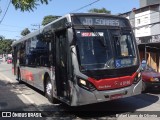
x,y
31,101
25,97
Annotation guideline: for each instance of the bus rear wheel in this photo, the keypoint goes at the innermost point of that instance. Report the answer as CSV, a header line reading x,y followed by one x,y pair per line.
x,y
49,91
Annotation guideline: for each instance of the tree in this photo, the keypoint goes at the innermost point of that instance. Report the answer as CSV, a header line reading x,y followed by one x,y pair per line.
x,y
48,19
2,37
103,10
5,46
28,5
25,32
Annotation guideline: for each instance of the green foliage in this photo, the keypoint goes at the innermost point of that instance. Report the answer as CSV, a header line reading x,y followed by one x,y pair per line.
x,y
25,32
5,46
1,37
48,19
103,10
27,5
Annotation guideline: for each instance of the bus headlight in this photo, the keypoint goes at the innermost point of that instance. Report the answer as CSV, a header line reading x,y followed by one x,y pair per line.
x,y
86,85
83,82
137,78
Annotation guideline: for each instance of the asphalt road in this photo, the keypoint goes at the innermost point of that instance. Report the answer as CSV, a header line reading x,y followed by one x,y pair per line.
x,y
22,97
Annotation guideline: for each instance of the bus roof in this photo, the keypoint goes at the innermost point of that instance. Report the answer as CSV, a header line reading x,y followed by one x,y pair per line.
x,y
30,35
96,14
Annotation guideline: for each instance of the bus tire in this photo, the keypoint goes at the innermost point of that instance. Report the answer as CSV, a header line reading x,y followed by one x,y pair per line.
x,y
49,91
19,76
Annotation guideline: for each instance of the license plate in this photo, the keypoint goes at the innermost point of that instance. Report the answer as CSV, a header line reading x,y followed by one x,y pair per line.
x,y
116,96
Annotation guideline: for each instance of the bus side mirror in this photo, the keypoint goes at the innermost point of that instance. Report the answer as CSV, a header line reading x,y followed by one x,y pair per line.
x,y
68,24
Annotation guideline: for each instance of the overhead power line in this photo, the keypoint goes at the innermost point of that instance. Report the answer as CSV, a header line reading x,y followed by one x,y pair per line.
x,y
85,6
5,12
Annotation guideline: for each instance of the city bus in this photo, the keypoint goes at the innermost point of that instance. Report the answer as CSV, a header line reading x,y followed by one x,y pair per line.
x,y
80,59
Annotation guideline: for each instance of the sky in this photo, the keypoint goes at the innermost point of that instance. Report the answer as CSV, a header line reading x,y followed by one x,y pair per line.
x,y
15,21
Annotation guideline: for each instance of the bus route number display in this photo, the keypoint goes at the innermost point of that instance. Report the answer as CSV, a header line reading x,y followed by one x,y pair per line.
x,y
100,21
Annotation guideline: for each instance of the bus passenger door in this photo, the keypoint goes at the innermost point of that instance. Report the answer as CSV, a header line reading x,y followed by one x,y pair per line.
x,y
61,64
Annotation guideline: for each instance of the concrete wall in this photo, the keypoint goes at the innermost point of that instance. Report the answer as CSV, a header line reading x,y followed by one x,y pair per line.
x,y
141,21
144,3
132,19
147,22
155,18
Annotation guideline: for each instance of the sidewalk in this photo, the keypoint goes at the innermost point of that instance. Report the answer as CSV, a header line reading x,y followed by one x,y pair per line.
x,y
11,98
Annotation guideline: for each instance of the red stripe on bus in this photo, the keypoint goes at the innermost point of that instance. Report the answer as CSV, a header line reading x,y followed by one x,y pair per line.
x,y
27,75
113,83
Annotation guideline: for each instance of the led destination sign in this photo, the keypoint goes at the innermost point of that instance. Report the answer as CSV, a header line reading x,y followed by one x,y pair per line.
x,y
100,21
107,21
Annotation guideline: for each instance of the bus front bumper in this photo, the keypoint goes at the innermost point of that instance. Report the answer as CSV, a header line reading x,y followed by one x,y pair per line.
x,y
83,97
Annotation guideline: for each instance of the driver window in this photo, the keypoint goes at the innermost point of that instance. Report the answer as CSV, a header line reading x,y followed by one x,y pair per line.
x,y
123,45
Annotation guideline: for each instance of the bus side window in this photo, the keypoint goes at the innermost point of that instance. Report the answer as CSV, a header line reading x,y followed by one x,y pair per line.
x,y
43,60
22,54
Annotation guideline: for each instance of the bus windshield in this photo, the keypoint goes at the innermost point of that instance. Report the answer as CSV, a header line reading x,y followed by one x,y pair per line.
x,y
105,49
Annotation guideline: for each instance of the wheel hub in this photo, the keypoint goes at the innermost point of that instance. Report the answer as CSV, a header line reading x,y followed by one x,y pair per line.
x,y
49,88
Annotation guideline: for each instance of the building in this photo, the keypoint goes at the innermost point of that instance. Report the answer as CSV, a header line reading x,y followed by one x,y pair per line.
x,y
146,25
144,3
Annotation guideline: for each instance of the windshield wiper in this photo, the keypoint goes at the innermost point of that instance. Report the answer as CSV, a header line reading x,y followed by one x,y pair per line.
x,y
109,63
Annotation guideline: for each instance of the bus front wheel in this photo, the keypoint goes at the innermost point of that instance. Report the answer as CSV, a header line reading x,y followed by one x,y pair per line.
x,y
49,91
